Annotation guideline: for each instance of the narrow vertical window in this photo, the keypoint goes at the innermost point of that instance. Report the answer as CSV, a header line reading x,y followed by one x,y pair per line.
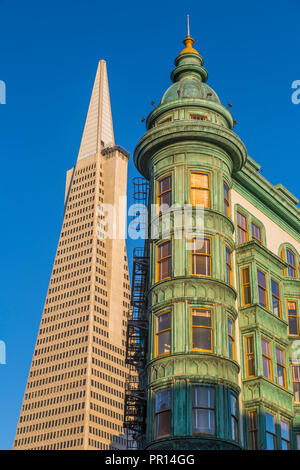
x,y
162,419
246,292
266,358
242,227
281,371
293,318
234,411
226,200
276,304
291,261
256,232
203,403
271,438
296,383
163,333
202,329
250,357
231,338
164,191
201,256
228,265
252,429
285,435
200,193
164,260
262,289
298,441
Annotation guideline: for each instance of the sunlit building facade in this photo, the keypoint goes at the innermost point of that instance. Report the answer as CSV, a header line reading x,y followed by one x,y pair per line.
x,y
223,362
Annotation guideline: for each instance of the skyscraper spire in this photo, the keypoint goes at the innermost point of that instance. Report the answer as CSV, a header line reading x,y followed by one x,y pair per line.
x,y
98,129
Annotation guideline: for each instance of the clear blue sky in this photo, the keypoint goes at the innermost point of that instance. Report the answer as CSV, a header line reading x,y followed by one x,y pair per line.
x,y
48,58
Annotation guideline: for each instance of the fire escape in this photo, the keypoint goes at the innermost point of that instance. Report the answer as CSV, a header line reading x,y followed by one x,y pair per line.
x,y
137,327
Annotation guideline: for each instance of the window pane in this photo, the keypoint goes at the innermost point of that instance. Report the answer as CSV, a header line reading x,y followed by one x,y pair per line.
x,y
229,324
164,249
265,347
262,297
251,365
292,308
203,421
245,276
201,245
280,375
164,185
200,197
202,338
201,265
291,272
270,442
201,317
247,295
163,342
165,199
242,220
266,368
256,232
285,430
203,397
280,356
275,288
199,180
293,326
290,257
163,322
226,191
261,278
242,236
162,400
270,423
250,345
165,268
296,388
276,307
163,424
233,405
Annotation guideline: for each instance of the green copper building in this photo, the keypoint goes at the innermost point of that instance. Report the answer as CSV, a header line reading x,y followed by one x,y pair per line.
x,y
222,366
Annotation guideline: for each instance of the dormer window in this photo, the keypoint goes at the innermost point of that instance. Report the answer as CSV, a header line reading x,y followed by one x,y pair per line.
x,y
198,117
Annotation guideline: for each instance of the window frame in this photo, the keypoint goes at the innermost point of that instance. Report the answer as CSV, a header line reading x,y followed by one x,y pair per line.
x,y
261,232
292,316
245,285
238,211
249,354
295,382
227,210
282,439
253,431
157,413
231,337
234,418
290,266
200,326
193,188
158,333
264,288
278,298
159,195
270,359
158,261
202,254
228,265
269,432
204,408
283,366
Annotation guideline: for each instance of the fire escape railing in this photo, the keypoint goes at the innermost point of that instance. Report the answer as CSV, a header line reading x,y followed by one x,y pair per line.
x,y
137,334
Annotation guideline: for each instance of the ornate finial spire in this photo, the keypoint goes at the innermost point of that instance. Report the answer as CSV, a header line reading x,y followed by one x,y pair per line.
x,y
188,41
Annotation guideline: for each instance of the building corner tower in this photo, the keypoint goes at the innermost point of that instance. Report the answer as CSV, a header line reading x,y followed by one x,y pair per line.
x,y
75,390
222,367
